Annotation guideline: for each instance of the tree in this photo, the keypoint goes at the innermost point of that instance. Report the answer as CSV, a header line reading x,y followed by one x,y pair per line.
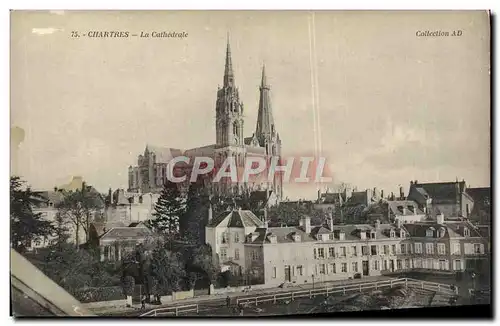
x,y
168,211
79,207
25,225
205,262
192,223
61,231
128,288
167,267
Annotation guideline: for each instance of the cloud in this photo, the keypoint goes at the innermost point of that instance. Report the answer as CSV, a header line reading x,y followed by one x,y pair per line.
x,y
45,30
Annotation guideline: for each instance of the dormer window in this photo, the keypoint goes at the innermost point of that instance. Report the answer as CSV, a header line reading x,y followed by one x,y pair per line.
x,y
402,234
341,235
363,235
392,234
331,236
51,204
373,235
429,232
442,232
466,232
296,238
273,238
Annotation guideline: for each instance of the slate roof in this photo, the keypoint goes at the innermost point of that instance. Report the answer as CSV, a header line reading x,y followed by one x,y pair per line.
x,y
440,192
164,154
103,227
396,207
55,197
452,229
331,198
481,197
351,232
236,219
126,233
358,198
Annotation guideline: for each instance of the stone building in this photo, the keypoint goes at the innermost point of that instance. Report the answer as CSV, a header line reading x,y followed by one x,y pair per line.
x,y
151,171
318,253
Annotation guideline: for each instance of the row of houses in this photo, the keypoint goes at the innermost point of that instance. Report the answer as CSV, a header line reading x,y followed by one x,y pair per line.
x,y
302,254
424,200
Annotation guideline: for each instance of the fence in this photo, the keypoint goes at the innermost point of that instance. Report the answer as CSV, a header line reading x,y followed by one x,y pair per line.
x,y
344,289
171,311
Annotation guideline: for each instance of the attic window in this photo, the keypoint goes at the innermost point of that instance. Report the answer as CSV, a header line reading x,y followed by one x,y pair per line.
x,y
442,232
341,235
296,238
402,234
50,204
325,237
392,234
466,232
331,236
373,235
273,238
429,232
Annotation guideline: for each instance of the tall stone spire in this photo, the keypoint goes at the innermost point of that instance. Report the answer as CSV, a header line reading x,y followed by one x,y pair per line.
x,y
228,69
265,121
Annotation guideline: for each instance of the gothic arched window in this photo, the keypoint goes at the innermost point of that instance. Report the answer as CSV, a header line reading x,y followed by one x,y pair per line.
x,y
235,128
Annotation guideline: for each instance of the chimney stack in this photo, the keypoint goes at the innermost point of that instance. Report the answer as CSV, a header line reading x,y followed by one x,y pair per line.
x,y
401,193
382,194
306,223
210,212
330,221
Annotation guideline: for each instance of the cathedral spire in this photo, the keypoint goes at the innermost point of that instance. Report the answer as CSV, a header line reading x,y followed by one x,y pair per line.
x,y
228,69
265,122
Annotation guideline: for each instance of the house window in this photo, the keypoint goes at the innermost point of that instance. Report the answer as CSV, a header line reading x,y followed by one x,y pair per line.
x,y
458,265
354,250
236,237
255,255
224,237
399,264
364,250
274,272
407,263
355,267
393,249
418,263
299,270
392,234
402,234
236,254
443,264
441,249
322,269
477,248
403,248
315,254
429,248
374,250
456,249
386,249
223,254
343,267
341,236
331,236
331,252
343,252
466,232
376,265
373,235
429,232
321,253
418,248
332,268
385,265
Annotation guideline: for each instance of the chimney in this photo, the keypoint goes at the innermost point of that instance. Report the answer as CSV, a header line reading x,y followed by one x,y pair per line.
x,y
210,212
392,196
416,182
401,193
306,223
330,221
382,194
319,194
411,183
404,210
440,218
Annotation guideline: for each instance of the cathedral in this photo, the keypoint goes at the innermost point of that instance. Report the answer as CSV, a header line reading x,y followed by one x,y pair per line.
x,y
151,171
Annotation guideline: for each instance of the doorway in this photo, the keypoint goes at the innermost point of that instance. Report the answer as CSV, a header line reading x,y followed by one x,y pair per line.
x,y
365,268
287,274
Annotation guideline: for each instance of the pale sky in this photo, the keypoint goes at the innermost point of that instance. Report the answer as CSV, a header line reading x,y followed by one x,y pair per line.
x,y
393,107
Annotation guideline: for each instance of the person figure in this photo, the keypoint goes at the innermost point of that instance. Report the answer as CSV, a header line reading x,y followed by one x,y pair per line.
x,y
228,301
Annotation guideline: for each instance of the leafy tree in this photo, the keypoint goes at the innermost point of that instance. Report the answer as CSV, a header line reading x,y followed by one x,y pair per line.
x,y
192,224
25,225
205,262
79,207
61,231
168,211
167,267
